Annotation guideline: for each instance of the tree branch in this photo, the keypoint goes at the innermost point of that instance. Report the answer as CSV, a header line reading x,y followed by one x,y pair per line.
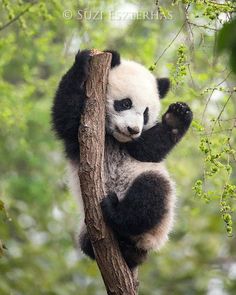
x,y
17,16
171,42
116,275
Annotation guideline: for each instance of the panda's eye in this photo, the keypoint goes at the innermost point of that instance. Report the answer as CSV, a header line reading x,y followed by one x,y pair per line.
x,y
123,104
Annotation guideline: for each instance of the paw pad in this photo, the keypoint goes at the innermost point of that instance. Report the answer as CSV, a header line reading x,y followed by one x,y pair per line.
x,y
178,114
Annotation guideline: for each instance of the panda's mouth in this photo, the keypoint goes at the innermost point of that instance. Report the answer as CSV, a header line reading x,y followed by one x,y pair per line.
x,y
121,136
122,133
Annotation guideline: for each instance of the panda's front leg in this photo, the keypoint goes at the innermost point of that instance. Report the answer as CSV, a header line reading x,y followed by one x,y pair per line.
x,y
156,142
69,103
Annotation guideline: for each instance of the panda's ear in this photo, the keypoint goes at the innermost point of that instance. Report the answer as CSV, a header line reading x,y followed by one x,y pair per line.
x,y
115,60
163,85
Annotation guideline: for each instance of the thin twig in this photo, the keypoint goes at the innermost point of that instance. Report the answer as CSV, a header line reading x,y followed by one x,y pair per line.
x,y
202,26
230,119
218,4
230,135
17,17
216,132
221,112
224,79
206,105
213,89
191,76
169,45
189,30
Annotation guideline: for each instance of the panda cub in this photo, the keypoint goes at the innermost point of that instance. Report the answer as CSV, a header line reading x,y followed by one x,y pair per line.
x,y
140,200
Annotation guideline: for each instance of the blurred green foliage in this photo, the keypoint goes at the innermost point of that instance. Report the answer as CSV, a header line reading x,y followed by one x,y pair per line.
x,y
227,42
39,218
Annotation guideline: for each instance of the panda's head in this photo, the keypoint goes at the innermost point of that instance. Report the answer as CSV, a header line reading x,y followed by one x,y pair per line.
x,y
133,99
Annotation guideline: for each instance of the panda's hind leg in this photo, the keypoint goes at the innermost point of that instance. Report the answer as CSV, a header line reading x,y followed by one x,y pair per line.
x,y
132,255
144,206
86,245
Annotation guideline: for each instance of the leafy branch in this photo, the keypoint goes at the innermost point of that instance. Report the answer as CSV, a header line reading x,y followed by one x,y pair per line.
x,y
17,17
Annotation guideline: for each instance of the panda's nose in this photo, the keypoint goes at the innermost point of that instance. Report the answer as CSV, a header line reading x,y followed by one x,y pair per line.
x,y
133,131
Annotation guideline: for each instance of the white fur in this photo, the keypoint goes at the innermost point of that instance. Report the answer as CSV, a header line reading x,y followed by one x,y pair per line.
x,y
134,81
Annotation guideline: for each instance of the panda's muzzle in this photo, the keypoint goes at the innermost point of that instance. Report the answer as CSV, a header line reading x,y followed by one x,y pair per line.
x,y
131,132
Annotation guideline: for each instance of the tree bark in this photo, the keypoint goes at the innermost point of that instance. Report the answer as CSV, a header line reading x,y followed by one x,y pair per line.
x,y
116,275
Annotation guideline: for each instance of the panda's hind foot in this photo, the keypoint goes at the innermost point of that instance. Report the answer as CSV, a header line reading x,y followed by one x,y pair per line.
x,y
132,255
86,245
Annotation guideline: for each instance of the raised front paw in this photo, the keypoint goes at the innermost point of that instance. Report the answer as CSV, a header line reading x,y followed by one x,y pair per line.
x,y
108,205
178,116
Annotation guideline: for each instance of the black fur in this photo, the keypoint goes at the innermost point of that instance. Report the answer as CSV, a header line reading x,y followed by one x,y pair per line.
x,y
163,85
115,61
122,104
132,255
155,143
69,103
143,206
146,116
86,245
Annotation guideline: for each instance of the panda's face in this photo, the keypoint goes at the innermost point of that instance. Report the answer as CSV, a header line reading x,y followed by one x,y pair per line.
x,y
133,102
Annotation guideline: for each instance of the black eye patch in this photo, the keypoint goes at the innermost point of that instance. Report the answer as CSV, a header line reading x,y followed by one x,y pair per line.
x,y
145,116
122,105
